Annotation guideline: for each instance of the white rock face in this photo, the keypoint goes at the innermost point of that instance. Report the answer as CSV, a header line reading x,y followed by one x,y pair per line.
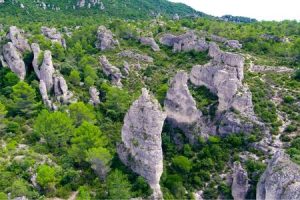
x,y
14,60
186,42
281,180
61,90
47,70
149,41
44,94
18,39
105,39
111,71
240,184
267,69
141,148
136,56
53,35
234,44
181,108
94,93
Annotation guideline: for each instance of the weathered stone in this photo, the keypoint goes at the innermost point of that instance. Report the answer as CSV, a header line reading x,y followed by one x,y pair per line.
x,y
53,35
234,44
176,17
61,90
105,39
36,53
216,38
141,147
185,42
240,184
181,108
111,71
281,180
2,1
47,70
94,94
136,56
14,60
18,39
149,41
44,94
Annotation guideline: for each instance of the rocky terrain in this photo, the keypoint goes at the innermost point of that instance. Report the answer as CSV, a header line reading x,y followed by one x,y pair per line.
x,y
159,105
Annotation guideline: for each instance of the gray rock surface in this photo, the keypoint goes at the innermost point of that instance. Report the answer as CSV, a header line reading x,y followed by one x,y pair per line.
x,y
16,36
44,94
61,90
181,108
281,179
149,41
240,186
53,35
217,38
2,1
105,39
94,94
47,70
185,42
111,71
36,53
141,147
176,17
14,60
136,56
234,44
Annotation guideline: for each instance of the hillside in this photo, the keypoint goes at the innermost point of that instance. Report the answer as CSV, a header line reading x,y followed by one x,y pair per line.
x,y
128,9
115,103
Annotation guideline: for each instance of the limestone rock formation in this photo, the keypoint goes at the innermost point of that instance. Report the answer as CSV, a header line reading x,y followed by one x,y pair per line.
x,y
176,17
53,35
240,184
141,147
136,56
105,39
181,107
61,90
36,53
2,1
111,71
185,42
281,179
47,70
94,93
217,38
16,36
149,41
14,60
44,94
234,44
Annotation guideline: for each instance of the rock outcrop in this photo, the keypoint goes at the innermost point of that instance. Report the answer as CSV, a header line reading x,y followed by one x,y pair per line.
x,y
14,60
181,108
111,71
2,1
136,56
105,39
223,76
234,44
44,94
94,94
240,186
149,41
35,62
53,35
47,70
185,42
16,36
281,180
141,147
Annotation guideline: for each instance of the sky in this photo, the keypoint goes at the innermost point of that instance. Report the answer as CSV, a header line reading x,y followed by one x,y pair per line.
x,y
259,9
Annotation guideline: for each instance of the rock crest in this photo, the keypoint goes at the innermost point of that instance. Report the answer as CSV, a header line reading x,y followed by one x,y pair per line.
x,y
149,41
141,147
53,35
16,36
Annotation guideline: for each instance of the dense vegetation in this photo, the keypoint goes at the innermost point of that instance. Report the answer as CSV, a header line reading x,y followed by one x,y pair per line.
x,y
61,147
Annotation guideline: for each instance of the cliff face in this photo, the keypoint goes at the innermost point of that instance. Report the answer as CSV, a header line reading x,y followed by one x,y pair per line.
x,y
281,180
141,148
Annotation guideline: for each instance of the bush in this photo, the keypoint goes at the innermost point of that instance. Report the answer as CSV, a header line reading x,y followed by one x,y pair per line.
x,y
182,163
